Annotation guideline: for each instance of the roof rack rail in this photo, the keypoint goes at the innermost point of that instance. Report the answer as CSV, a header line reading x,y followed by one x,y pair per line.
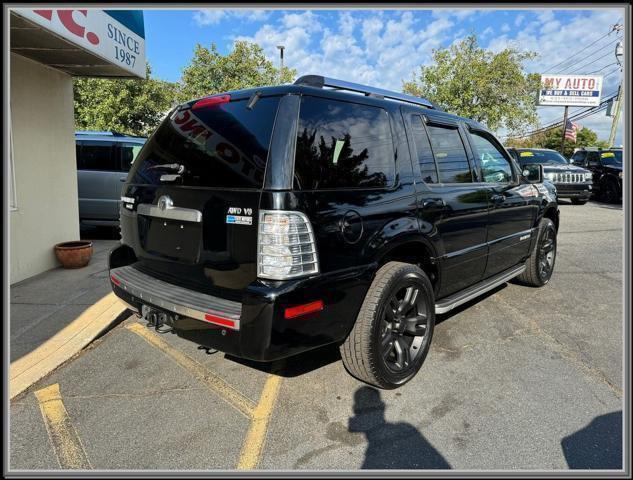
x,y
320,81
99,132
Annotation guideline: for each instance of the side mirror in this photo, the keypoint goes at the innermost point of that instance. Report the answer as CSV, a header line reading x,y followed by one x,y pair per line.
x,y
533,173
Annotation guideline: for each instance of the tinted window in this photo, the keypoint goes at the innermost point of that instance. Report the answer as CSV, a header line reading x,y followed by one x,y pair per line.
x,y
578,158
594,159
423,149
450,155
223,145
342,145
129,152
540,156
96,156
495,168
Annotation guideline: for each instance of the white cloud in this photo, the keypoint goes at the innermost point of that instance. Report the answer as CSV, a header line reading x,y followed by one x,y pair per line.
x,y
383,48
519,20
213,16
557,42
208,16
457,13
379,49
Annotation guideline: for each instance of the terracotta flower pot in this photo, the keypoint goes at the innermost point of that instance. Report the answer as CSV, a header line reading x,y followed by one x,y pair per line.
x,y
75,254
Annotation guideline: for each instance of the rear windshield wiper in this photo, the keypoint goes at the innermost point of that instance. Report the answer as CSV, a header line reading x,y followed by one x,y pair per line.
x,y
174,167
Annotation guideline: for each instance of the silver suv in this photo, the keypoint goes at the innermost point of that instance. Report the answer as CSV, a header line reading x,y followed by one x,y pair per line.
x,y
103,161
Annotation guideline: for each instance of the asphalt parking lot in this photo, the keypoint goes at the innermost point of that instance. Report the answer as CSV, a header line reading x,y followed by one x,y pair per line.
x,y
518,379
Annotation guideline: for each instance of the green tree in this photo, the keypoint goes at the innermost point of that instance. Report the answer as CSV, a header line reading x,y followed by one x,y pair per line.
x,y
585,137
130,106
245,66
472,82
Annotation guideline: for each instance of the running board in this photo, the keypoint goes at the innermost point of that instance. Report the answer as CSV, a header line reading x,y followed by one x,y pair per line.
x,y
449,303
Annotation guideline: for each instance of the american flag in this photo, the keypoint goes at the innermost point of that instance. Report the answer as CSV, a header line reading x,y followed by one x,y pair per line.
x,y
570,131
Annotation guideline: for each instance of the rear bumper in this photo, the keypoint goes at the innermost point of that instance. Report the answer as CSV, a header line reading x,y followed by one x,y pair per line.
x,y
254,328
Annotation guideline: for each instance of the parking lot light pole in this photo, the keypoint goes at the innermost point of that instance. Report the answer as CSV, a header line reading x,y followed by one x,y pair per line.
x,y
281,58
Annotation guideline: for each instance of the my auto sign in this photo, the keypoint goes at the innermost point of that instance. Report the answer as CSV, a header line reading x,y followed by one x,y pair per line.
x,y
95,31
571,90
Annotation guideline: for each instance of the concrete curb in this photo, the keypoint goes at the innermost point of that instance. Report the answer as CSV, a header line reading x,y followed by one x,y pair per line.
x,y
27,370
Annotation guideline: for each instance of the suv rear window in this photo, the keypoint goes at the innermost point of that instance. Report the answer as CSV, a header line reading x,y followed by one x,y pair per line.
x,y
343,145
94,155
223,145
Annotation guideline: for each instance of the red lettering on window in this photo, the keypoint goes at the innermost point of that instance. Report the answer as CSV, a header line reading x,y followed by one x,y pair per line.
x,y
47,14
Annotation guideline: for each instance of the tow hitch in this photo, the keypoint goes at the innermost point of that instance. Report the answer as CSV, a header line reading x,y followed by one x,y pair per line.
x,y
161,321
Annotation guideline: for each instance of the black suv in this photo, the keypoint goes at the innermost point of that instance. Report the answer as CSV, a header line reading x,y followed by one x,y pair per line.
x,y
570,181
271,221
606,168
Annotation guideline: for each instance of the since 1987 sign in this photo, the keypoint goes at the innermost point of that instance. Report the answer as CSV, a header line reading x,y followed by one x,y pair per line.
x,y
570,90
117,36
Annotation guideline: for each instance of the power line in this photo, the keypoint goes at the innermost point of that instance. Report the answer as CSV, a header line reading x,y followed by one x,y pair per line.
x,y
598,50
592,62
582,109
569,58
609,65
576,116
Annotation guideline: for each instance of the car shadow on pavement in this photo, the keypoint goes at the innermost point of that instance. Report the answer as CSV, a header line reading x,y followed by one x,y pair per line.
x,y
296,365
597,446
390,445
610,206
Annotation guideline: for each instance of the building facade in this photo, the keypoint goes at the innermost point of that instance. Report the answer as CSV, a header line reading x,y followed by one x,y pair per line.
x,y
49,48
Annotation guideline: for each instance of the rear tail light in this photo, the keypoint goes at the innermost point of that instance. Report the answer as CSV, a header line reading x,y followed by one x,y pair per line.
x,y
210,101
286,247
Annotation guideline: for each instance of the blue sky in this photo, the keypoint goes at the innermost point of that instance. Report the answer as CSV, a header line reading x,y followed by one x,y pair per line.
x,y
385,47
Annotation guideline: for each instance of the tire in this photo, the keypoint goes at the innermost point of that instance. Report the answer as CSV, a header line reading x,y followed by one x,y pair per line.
x,y
383,349
534,275
577,201
611,191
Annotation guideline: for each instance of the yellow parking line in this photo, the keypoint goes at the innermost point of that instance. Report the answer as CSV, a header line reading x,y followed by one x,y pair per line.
x,y
225,391
68,448
253,445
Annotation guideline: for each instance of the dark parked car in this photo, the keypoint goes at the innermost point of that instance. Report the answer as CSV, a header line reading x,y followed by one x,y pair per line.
x,y
570,181
103,161
267,222
606,168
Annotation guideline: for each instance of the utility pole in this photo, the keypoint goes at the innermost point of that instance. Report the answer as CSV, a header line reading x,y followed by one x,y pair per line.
x,y
562,142
619,53
281,58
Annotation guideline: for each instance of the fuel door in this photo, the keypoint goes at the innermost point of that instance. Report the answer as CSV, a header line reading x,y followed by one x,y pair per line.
x,y
351,226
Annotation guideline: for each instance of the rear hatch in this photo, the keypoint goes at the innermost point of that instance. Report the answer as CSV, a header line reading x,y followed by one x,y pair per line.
x,y
196,186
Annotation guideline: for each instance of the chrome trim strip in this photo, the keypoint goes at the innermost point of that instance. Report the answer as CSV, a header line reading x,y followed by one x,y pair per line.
x,y
172,213
473,292
507,237
463,251
145,296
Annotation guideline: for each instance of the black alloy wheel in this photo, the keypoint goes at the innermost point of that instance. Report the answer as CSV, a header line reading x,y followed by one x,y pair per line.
x,y
547,253
404,326
393,331
611,193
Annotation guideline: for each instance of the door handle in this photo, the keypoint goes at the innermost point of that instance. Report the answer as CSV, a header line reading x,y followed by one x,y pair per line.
x,y
434,204
122,179
497,198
